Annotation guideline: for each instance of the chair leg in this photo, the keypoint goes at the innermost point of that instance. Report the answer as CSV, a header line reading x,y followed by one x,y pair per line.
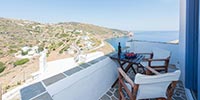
x,y
166,70
133,70
171,90
120,87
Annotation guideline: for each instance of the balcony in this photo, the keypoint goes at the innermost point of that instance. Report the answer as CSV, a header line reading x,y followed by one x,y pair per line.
x,y
93,80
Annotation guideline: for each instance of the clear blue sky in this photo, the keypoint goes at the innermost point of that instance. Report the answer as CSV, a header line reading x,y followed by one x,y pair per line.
x,y
120,14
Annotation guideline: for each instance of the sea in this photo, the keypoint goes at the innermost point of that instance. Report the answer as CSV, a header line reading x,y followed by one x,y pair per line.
x,y
151,36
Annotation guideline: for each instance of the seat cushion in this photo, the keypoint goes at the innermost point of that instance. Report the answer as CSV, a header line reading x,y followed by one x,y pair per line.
x,y
156,83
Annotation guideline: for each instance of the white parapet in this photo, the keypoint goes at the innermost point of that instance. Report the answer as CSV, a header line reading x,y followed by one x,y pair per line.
x,y
88,84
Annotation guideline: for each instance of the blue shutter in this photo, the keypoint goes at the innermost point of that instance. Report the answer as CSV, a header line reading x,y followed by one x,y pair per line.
x,y
192,45
198,76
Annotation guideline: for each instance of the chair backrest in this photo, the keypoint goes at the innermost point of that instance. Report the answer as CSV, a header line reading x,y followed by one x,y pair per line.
x,y
159,53
155,86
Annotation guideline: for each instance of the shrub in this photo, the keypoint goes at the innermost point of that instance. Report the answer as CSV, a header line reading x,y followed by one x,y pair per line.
x,y
24,53
11,51
52,47
77,32
21,62
63,35
13,46
8,87
2,67
63,49
1,53
60,43
18,83
41,48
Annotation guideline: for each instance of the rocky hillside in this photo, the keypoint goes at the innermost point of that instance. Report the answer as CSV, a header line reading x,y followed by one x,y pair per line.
x,y
15,34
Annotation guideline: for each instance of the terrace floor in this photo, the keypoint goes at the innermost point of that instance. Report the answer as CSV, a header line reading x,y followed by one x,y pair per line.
x,y
179,92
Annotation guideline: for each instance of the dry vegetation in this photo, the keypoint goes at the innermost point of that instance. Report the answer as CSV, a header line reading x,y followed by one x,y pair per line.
x,y
15,34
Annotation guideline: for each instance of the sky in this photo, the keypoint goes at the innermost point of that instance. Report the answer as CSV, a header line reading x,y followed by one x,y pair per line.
x,y
134,15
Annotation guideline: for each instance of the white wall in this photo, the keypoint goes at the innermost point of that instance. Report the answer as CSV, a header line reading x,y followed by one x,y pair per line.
x,y
88,84
182,38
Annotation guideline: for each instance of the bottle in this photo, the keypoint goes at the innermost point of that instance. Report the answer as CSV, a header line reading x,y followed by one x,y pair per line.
x,y
119,49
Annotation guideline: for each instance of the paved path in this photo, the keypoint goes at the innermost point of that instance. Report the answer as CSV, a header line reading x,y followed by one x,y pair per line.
x,y
76,58
101,45
74,45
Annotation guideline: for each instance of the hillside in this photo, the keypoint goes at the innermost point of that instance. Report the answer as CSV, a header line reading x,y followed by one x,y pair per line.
x,y
57,38
15,34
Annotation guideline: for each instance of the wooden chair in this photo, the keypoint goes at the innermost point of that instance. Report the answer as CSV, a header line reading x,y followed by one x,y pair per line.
x,y
158,59
159,86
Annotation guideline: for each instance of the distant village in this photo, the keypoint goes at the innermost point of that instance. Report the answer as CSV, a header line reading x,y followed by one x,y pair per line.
x,y
82,43
28,52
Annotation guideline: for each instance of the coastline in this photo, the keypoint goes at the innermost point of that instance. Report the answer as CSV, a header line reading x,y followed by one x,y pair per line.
x,y
110,45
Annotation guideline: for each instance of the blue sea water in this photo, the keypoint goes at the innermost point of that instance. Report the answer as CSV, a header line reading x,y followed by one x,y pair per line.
x,y
157,36
153,36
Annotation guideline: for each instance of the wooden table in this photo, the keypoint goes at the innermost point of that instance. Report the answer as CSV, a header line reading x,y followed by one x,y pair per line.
x,y
122,60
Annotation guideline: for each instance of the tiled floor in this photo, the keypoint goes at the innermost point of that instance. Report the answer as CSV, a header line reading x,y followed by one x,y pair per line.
x,y
179,93
112,94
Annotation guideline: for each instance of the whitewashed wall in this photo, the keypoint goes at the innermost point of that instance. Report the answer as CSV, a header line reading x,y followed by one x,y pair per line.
x,y
182,37
88,84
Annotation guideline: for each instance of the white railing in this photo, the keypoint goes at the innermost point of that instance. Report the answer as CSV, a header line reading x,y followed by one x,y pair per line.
x,y
146,46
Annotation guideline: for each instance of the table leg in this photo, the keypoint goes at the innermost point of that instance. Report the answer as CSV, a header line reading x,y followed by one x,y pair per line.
x,y
115,82
121,65
125,70
141,66
133,69
130,65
